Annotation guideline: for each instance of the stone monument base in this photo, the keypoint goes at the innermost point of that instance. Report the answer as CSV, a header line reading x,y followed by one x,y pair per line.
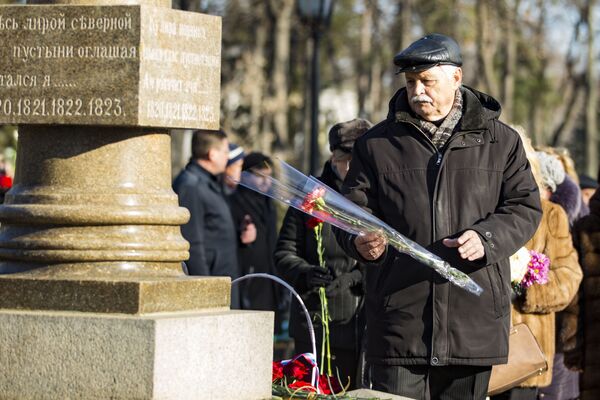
x,y
200,355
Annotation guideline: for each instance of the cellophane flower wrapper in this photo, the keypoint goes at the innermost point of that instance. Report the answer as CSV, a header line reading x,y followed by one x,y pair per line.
x,y
313,197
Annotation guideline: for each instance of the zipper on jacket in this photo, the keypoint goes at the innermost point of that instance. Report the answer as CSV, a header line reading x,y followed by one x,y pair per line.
x,y
441,157
438,163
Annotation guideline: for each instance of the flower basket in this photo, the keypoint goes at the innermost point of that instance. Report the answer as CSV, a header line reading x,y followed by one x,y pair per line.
x,y
300,389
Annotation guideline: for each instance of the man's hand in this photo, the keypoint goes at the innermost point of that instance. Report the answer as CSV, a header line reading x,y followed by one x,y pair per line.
x,y
370,246
469,245
248,230
318,276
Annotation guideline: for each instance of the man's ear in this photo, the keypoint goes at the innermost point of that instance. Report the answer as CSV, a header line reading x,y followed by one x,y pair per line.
x,y
458,76
211,154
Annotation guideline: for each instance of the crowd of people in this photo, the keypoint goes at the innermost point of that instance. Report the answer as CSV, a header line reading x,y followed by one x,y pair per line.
x,y
444,171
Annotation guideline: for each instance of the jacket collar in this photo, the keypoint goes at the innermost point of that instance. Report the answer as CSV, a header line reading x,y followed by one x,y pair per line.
x,y
478,108
197,170
329,177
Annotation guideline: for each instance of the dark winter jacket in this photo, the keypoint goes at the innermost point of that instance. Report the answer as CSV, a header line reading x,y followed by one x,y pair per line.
x,y
586,353
256,257
296,254
210,230
480,181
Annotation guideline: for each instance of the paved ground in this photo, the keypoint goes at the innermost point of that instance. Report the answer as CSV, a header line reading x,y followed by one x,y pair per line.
x,y
366,393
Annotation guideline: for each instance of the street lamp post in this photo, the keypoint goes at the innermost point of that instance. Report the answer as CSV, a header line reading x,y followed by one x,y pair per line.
x,y
316,14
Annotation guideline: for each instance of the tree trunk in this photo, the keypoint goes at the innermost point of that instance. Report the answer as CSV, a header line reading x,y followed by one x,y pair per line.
x,y
282,10
255,77
486,47
508,89
539,76
365,57
591,110
406,11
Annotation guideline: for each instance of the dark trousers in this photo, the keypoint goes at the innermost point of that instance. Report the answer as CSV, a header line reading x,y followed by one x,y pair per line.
x,y
423,382
343,362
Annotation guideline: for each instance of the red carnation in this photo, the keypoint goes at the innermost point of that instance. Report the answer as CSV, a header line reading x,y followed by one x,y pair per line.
x,y
305,386
296,369
277,371
5,182
311,199
329,385
313,222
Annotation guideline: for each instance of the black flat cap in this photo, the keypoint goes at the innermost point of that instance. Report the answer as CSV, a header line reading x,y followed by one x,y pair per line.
x,y
427,52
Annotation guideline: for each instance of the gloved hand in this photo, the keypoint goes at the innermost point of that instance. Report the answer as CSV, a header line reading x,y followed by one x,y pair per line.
x,y
318,276
343,282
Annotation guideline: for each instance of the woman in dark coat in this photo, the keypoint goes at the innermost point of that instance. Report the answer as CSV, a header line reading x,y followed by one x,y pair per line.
x,y
585,355
247,207
297,261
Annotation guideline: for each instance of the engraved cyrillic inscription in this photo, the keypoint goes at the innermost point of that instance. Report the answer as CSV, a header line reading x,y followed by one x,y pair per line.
x,y
113,65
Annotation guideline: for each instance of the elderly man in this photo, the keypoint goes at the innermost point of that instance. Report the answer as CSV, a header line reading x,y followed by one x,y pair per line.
x,y
443,171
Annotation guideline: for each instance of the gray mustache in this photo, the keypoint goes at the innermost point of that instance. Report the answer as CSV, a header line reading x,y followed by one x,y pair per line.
x,y
421,99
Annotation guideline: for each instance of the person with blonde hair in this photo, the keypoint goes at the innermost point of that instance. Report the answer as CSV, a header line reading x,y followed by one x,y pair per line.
x,y
537,306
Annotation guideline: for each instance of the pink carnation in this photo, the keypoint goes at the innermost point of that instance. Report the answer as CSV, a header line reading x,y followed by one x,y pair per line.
x,y
537,270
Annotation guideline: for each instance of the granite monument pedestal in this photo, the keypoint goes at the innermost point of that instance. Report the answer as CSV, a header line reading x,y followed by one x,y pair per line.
x,y
94,303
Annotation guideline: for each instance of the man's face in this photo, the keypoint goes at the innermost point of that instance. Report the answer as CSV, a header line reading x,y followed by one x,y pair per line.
x,y
233,173
259,177
587,195
340,161
431,92
220,156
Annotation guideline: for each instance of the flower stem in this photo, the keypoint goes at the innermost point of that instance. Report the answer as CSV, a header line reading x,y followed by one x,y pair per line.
x,y
325,346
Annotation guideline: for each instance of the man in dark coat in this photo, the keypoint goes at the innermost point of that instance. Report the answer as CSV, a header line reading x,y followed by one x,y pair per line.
x,y
210,230
445,172
249,207
298,262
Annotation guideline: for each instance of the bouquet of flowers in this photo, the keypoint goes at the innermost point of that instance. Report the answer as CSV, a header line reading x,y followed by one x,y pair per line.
x,y
528,267
291,380
295,374
313,197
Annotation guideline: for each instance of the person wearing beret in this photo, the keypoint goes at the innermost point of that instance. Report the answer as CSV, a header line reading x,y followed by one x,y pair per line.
x,y
210,230
588,187
445,172
298,263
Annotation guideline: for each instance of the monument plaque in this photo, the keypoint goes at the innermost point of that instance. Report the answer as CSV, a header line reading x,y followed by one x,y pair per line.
x,y
131,65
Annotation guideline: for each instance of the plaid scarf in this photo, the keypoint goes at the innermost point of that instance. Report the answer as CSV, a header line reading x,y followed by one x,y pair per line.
x,y
438,135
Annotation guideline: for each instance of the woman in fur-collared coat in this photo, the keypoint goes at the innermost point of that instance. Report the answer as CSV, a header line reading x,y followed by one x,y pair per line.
x,y
586,355
539,303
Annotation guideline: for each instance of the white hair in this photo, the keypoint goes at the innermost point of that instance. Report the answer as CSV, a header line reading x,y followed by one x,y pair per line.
x,y
553,172
449,70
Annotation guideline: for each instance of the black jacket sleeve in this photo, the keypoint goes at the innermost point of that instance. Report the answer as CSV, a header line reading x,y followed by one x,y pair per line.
x,y
193,231
359,187
290,259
